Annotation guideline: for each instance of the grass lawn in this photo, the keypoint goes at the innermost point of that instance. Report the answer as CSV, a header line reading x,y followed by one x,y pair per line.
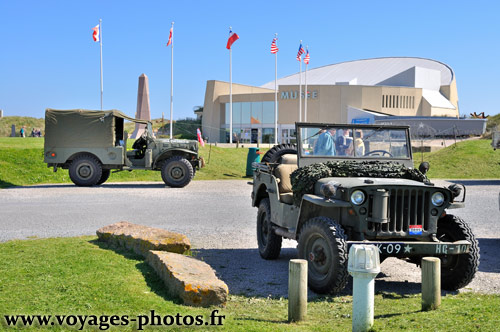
x,y
21,163
80,276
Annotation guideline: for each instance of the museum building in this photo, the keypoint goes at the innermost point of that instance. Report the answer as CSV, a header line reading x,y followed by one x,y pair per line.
x,y
348,92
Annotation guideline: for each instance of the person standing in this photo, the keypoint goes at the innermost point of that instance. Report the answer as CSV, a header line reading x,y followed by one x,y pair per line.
x,y
343,143
325,145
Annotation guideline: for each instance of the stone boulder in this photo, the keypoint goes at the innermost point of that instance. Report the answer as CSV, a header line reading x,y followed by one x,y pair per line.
x,y
141,239
191,280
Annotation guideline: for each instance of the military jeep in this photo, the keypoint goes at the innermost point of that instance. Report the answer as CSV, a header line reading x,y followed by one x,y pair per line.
x,y
92,143
355,184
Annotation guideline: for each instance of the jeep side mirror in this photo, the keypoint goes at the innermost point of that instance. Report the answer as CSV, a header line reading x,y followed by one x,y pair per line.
x,y
424,167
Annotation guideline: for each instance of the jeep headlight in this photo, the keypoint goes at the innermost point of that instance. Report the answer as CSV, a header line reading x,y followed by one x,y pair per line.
x,y
358,197
437,199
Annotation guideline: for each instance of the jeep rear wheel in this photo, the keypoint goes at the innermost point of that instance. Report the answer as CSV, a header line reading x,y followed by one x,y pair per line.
x,y
85,170
457,271
177,172
322,242
269,243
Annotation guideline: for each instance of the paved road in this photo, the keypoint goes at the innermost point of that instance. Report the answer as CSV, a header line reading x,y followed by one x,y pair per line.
x,y
218,218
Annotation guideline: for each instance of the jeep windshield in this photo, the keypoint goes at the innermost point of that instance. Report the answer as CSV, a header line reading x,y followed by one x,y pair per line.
x,y
365,142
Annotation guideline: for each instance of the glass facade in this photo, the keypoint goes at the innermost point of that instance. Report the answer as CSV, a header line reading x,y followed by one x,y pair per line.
x,y
252,122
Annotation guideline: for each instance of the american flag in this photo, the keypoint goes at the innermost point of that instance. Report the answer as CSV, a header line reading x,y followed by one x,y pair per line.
x,y
306,58
274,48
170,36
95,33
300,52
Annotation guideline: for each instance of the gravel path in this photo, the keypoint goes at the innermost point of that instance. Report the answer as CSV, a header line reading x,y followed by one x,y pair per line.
x,y
219,220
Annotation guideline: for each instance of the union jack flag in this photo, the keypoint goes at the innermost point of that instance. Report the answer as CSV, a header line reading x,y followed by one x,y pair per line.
x,y
274,48
306,58
300,52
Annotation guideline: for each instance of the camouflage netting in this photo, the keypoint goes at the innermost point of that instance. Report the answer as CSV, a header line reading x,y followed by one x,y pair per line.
x,y
304,178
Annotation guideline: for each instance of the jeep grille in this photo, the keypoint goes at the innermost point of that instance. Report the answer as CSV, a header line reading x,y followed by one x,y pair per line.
x,y
406,207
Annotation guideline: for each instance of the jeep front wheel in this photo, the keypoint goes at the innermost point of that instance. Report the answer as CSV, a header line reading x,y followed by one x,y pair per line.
x,y
457,271
85,170
322,242
269,243
104,176
177,172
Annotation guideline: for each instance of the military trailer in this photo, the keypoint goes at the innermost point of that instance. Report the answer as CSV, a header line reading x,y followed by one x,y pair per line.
x,y
92,143
355,184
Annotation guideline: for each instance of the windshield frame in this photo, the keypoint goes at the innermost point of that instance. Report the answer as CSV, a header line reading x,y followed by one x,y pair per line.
x,y
306,159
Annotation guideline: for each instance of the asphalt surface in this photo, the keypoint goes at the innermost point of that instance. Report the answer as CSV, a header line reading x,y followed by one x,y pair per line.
x,y
218,219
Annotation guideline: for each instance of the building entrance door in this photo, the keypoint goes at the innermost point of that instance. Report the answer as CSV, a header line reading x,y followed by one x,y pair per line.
x,y
255,135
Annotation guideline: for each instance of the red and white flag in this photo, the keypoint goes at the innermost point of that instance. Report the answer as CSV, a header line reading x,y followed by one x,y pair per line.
x,y
95,33
274,48
200,139
232,38
170,36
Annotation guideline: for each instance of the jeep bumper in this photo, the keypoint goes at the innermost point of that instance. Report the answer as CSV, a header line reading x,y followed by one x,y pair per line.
x,y
407,249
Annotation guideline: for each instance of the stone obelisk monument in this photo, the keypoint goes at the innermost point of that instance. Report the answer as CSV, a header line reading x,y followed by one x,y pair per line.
x,y
142,106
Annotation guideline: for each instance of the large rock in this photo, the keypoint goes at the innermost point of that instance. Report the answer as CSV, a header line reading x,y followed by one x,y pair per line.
x,y
189,279
141,238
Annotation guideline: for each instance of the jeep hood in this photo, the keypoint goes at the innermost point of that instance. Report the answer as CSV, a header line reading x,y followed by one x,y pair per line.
x,y
367,182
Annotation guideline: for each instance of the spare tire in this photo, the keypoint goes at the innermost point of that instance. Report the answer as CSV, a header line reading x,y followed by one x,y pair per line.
x,y
274,154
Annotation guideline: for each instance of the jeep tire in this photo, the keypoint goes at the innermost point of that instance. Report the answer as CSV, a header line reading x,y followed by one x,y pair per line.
x,y
457,271
85,170
274,154
322,242
269,242
177,172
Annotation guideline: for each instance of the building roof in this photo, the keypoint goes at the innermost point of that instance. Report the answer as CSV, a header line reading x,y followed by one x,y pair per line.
x,y
391,71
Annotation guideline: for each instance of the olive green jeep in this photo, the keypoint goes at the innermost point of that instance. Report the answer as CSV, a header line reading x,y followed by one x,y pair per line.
x,y
92,143
355,184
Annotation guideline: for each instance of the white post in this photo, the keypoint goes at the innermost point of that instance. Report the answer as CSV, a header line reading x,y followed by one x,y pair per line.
x,y
276,96
297,290
363,266
172,87
100,44
230,97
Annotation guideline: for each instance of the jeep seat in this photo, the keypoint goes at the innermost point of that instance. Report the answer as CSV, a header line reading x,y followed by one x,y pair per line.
x,y
282,173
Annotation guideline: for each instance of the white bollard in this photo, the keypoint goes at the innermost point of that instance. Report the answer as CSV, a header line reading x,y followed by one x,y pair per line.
x,y
363,266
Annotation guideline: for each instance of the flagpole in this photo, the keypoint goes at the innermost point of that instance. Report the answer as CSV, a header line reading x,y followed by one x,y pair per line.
x,y
100,44
305,88
300,86
172,86
230,97
276,95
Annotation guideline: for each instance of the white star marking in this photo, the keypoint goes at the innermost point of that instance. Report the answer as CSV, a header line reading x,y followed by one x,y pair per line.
x,y
407,248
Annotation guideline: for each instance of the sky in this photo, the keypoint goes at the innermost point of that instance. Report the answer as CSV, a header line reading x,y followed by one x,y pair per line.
x,y
48,58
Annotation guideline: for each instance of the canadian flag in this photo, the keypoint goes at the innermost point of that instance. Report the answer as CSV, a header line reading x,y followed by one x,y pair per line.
x,y
95,33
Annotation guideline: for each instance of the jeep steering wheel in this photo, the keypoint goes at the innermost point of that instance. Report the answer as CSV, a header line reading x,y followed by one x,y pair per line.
x,y
378,153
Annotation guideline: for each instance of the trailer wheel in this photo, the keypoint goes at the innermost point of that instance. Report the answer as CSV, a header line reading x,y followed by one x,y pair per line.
x,y
322,242
457,271
269,243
